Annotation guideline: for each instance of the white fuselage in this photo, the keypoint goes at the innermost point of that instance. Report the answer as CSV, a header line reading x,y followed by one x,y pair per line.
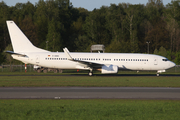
x,y
126,61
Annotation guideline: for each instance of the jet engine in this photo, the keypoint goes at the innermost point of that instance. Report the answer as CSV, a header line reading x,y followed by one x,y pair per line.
x,y
108,69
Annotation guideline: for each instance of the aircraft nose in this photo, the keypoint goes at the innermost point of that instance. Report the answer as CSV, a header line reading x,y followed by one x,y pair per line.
x,y
172,64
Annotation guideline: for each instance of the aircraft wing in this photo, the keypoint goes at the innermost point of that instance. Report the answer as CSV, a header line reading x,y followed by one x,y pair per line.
x,y
89,64
11,52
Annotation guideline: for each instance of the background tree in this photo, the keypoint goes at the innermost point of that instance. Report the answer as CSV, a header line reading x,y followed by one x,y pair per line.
x,y
173,17
29,29
177,59
157,34
121,28
4,35
162,51
53,36
114,23
41,22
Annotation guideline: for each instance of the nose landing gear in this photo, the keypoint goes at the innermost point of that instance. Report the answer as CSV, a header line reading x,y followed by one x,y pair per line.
x,y
90,73
157,74
160,71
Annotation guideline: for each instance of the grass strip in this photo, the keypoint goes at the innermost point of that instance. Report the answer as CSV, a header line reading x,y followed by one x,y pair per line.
x,y
102,109
86,81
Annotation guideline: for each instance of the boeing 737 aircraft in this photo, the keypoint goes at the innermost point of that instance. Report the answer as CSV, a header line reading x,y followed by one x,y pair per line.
x,y
107,63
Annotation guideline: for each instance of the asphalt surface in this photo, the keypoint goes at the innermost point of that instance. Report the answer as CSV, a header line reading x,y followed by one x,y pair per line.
x,y
89,93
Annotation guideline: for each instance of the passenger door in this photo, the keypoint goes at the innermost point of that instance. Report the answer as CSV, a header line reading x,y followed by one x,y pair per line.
x,y
155,61
37,59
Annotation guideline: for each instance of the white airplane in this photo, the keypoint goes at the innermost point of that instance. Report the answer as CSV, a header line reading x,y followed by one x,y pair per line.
x,y
107,63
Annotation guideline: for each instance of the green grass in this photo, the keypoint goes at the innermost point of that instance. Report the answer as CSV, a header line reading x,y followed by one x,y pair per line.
x,y
86,81
89,110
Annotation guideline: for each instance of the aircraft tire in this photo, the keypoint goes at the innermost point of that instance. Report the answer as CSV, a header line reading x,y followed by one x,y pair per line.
x,y
55,70
90,73
60,71
45,70
39,70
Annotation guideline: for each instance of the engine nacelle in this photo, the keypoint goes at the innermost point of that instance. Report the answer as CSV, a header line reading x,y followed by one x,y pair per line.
x,y
108,69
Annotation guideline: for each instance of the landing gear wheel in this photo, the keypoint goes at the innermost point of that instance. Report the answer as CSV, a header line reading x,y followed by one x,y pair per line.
x,y
39,70
60,71
157,74
56,71
45,70
90,73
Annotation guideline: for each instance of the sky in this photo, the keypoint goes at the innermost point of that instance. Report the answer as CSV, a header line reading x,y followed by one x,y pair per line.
x,y
87,4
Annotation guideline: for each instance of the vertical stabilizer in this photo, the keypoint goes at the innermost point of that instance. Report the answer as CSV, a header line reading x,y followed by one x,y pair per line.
x,y
19,41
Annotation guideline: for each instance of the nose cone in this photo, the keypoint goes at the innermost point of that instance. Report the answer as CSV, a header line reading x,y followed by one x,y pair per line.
x,y
172,64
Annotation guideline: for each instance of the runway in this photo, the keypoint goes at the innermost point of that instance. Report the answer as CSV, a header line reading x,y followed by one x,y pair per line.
x,y
89,93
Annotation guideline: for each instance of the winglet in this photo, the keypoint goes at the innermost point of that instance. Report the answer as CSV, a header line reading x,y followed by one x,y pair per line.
x,y
66,51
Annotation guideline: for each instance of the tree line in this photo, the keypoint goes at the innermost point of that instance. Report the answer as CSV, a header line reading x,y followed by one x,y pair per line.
x,y
122,28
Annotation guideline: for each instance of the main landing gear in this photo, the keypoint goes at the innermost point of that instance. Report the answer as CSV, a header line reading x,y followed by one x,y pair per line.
x,y
90,72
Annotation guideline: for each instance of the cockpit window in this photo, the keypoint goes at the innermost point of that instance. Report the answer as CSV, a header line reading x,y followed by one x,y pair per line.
x,y
165,60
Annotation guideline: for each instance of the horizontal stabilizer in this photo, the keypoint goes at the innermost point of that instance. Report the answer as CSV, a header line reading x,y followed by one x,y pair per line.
x,y
11,52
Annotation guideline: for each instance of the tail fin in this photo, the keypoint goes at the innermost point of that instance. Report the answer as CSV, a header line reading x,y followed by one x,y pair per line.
x,y
19,41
